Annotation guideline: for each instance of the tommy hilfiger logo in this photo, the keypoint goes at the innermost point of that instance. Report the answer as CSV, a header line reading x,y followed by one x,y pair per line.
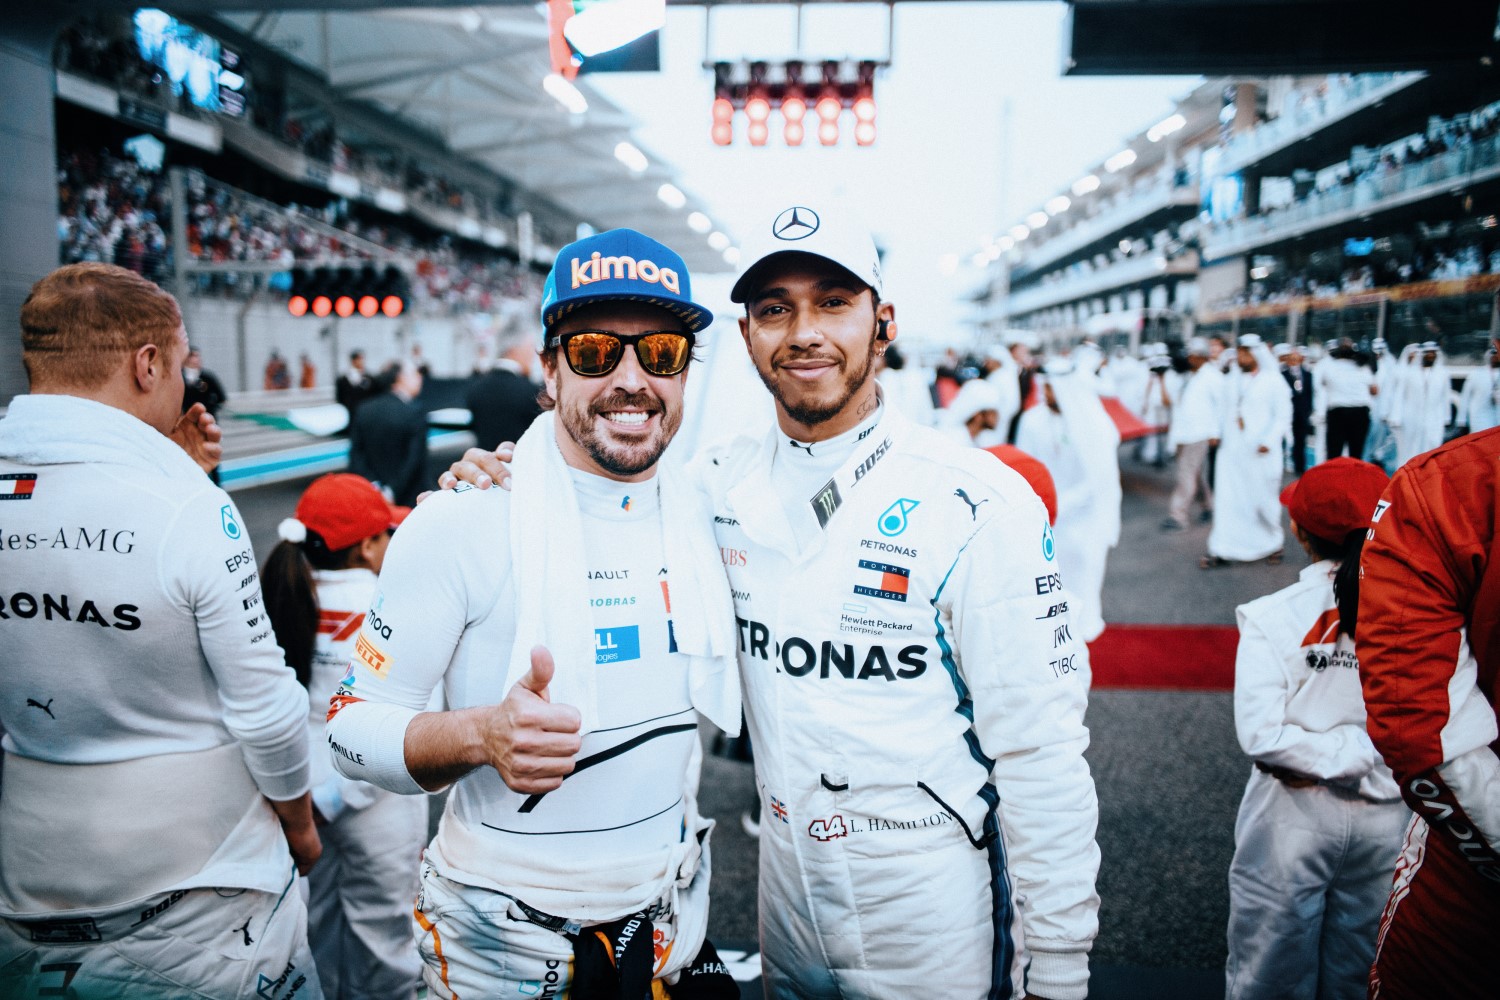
x,y
599,268
17,485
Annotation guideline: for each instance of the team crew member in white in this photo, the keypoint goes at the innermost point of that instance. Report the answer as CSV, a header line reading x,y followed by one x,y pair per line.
x,y
318,581
1479,406
1247,477
1076,440
1322,820
156,769
1419,407
913,682
1341,402
1197,424
914,686
575,626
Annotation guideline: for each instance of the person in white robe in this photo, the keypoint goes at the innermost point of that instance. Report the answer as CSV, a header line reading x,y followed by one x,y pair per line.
x,y
1380,445
1479,406
1247,477
973,417
1419,409
1015,361
1076,440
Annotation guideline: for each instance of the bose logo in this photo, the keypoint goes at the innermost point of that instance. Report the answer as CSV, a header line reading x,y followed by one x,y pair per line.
x,y
599,268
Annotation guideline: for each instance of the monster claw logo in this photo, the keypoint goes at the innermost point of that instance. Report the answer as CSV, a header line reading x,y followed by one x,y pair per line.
x,y
893,520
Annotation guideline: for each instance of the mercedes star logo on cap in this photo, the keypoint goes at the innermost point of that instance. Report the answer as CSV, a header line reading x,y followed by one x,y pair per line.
x,y
795,223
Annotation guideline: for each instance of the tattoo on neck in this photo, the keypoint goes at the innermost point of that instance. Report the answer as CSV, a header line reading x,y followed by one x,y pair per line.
x,y
868,406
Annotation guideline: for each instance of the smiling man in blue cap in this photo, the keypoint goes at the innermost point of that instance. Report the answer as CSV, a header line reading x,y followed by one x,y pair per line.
x,y
577,626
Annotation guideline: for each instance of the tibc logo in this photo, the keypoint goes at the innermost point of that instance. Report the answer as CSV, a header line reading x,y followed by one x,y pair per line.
x,y
601,268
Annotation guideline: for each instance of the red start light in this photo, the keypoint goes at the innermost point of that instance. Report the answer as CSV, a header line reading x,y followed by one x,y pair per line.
x,y
757,109
793,133
828,108
723,109
723,133
343,306
757,133
322,306
864,109
794,109
297,305
864,133
368,306
392,305
828,133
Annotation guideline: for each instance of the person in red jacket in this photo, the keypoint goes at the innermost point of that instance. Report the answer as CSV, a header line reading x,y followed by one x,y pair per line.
x,y
1429,649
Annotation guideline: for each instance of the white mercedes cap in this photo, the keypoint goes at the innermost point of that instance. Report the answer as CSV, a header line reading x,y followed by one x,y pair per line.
x,y
823,230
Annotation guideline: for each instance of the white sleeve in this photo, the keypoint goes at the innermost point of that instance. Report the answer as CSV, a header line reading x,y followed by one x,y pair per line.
x,y
1262,690
1027,674
435,579
210,565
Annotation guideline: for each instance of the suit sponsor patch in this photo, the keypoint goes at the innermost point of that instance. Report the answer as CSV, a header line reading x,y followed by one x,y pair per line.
x,y
17,485
886,581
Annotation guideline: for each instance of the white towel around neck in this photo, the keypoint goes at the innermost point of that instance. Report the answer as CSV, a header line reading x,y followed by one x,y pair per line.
x,y
552,600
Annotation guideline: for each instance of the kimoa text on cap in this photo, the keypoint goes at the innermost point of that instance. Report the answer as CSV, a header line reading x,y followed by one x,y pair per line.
x,y
598,268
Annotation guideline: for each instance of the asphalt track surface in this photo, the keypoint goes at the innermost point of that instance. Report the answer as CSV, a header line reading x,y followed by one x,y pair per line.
x,y
1166,764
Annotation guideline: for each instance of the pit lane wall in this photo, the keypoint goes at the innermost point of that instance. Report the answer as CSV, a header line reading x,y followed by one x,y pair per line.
x,y
238,336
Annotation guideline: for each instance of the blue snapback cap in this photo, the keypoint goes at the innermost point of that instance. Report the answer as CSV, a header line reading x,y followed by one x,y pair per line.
x,y
620,265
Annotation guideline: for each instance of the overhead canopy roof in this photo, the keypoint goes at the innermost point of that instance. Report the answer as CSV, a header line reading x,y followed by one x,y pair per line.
x,y
473,77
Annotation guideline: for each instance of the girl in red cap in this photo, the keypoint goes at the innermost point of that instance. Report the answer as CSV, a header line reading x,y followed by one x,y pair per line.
x,y
1322,820
318,583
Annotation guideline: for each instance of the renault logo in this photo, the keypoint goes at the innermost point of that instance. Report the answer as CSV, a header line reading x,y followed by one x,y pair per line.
x,y
795,224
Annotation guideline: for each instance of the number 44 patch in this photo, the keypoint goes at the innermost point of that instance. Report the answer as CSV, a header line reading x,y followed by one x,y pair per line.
x,y
828,829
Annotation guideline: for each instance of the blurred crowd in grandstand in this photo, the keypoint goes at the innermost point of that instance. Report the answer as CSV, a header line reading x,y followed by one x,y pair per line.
x,y
115,211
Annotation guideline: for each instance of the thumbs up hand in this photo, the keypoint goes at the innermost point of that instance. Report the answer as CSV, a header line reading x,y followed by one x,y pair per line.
x,y
531,742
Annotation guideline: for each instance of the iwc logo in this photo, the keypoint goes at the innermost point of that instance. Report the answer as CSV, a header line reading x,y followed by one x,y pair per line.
x,y
796,223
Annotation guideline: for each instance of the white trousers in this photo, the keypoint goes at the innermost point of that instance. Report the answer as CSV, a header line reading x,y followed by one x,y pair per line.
x,y
196,944
1311,873
476,942
362,891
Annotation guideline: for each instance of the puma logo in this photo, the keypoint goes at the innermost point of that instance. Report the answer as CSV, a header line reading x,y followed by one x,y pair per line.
x,y
973,507
245,930
33,703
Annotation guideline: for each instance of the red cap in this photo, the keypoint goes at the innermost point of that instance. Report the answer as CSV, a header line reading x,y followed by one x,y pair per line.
x,y
1034,472
1335,498
345,509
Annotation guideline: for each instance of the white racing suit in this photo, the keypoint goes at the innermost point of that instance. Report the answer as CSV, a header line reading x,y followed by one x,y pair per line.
x,y
1312,865
916,699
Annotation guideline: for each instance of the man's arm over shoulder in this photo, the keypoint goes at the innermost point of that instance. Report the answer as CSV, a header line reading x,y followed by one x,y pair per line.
x,y
1028,677
1427,715
211,568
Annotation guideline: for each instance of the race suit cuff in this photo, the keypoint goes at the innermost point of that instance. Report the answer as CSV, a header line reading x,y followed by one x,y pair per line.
x,y
367,741
1058,975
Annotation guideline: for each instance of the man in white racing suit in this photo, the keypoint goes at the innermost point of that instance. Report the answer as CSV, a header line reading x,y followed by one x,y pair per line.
x,y
913,685
577,626
156,763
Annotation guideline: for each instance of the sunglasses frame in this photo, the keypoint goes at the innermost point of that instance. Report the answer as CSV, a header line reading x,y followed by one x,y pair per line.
x,y
631,340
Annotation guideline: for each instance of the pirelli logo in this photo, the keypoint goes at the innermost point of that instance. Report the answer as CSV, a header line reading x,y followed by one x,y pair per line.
x,y
372,656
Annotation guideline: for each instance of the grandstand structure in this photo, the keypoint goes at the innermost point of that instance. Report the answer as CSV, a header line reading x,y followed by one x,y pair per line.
x,y
1307,209
418,138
